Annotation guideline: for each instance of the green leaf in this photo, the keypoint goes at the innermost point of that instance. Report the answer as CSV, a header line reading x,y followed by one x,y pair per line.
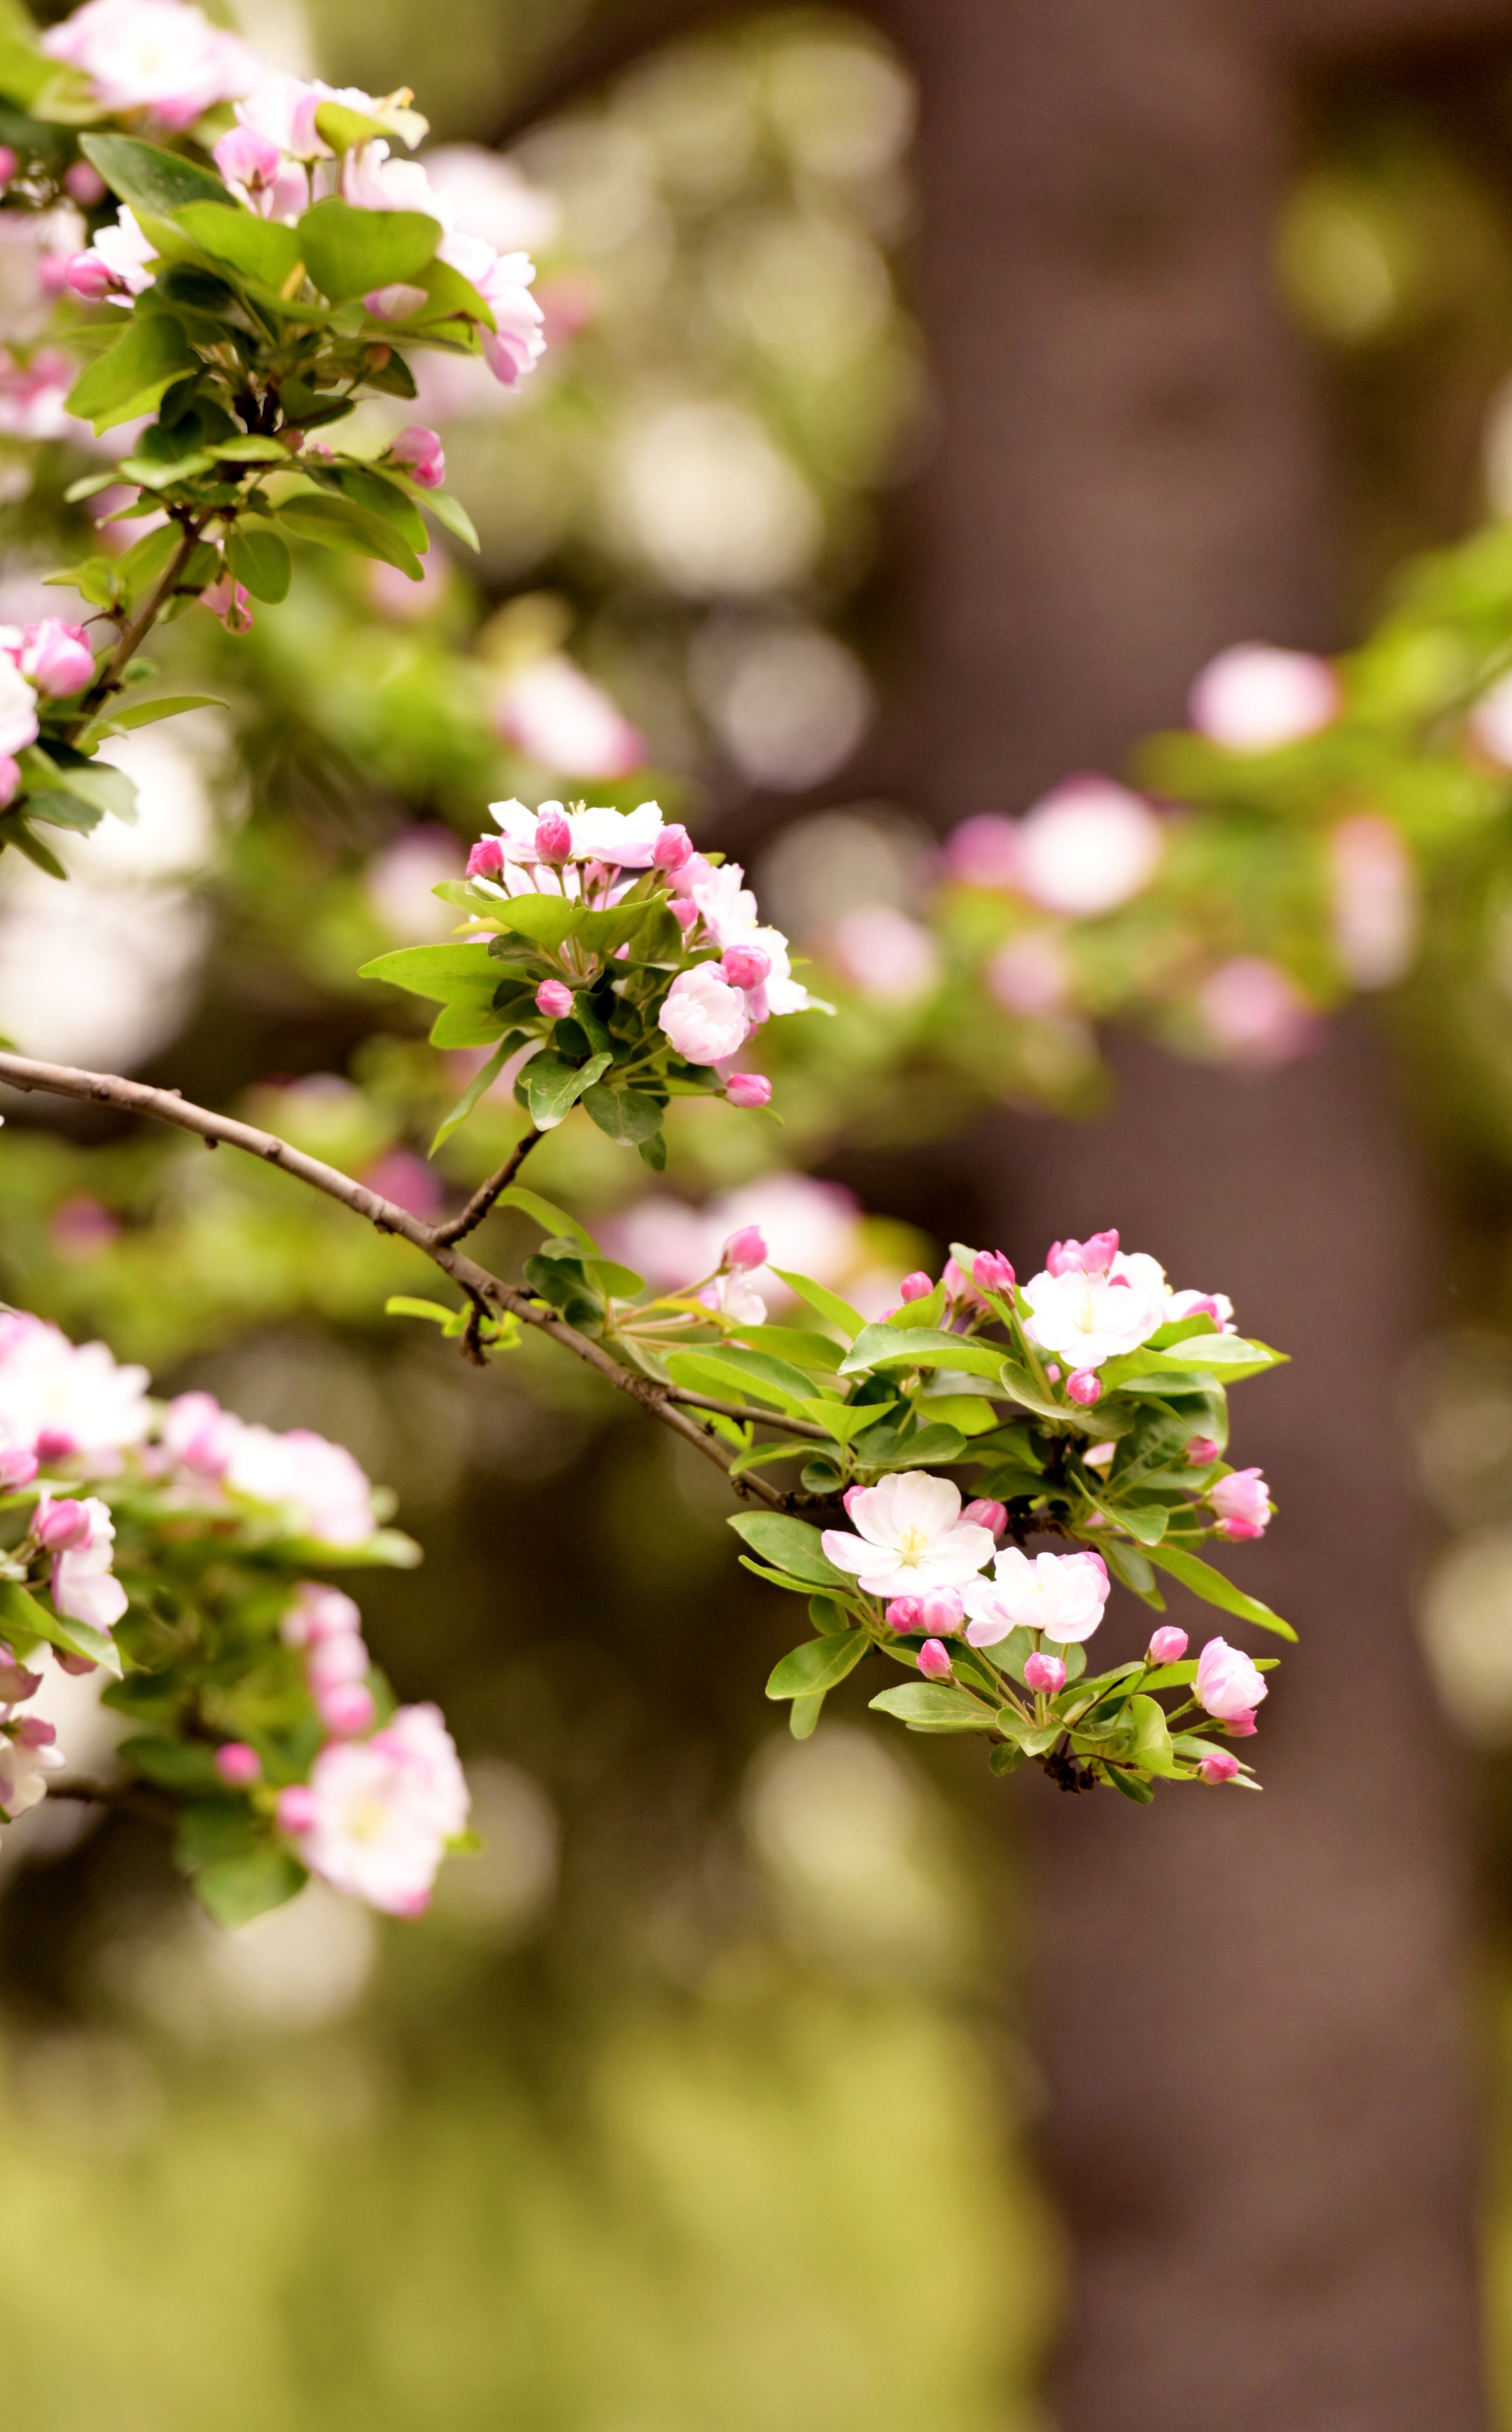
x,y
803,1716
338,523
792,1544
466,1025
621,1283
968,1412
1205,1581
934,1706
261,560
381,497
481,1080
799,1344
131,376
109,790
258,249
23,1618
1131,1568
175,1764
1151,1736
453,1321
553,1087
459,974
58,808
146,713
552,1219
821,1665
827,1304
1131,1785
893,1449
348,252
451,512
1146,1521
153,181
1020,1387
1223,1356
628,1116
545,920
921,1346
235,1890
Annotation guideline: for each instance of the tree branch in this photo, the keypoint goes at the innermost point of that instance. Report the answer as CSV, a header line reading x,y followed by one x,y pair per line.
x,y
166,1106
457,1228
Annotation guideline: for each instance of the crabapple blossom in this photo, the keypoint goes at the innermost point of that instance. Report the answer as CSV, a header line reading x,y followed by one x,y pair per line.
x,y
1255,1013
155,55
904,1613
120,255
1200,1450
23,1771
1168,1645
18,708
238,1765
733,1296
399,302
248,161
1242,1502
1374,904
18,1466
230,601
1087,848
745,967
991,1272
748,1090
1219,1764
486,859
65,1400
917,1286
377,1814
319,1615
987,1514
1062,1595
517,341
705,1020
941,1611
1089,1317
623,840
1255,699
747,1248
61,1525
82,1586
935,1661
1045,1673
56,657
346,1708
1084,1388
1092,1257
421,452
317,1483
1228,1684
911,1537
673,850
554,999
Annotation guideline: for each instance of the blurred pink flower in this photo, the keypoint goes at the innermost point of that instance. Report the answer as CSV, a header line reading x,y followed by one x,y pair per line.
x,y
1030,974
80,1228
1087,847
883,954
31,395
1376,905
408,1181
552,712
399,882
1254,698
56,657
153,55
984,851
1254,1014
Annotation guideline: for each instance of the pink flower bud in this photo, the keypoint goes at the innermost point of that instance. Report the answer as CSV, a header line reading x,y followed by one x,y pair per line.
x,y
87,275
685,913
1242,1727
247,159
1045,1673
298,1808
747,1248
917,1286
82,181
941,1611
78,1666
9,164
1084,1388
673,847
486,858
991,1271
748,1090
1052,1373
230,601
1242,1502
16,1683
1167,1645
421,449
554,836
1217,1767
56,1443
61,1526
18,1466
904,1613
554,999
346,1710
1092,1257
337,1659
238,1765
1201,1451
935,1662
745,967
33,1732
57,657
983,1514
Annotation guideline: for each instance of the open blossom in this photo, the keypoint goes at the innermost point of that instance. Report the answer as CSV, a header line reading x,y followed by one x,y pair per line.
x,y
551,711
115,266
1087,848
62,1399
883,954
911,1537
706,1020
1255,699
621,839
155,55
1087,1318
1228,1684
56,657
83,1585
377,1814
1062,1595
517,341
1242,1502
25,1766
318,1482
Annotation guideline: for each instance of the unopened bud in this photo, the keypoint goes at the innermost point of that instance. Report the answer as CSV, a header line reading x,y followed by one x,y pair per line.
x,y
554,999
983,1514
1084,1388
906,1613
1241,1727
673,847
685,913
1167,1645
1201,1451
1045,1673
748,1090
934,1661
991,1272
747,1248
486,858
346,1710
917,1286
1219,1766
553,835
16,1683
18,1466
942,1612
245,159
298,1808
61,1526
83,181
33,1732
238,1765
745,967
87,275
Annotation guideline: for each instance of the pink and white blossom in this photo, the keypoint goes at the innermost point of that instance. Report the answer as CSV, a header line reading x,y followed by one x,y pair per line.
x,y
1228,1684
935,1661
910,1537
1062,1595
57,657
748,1090
1044,1673
158,55
83,1585
706,1020
1242,1502
1087,848
1375,908
119,257
1255,1014
1255,699
320,1615
421,453
1087,1318
377,1814
18,708
517,341
621,839
25,1766
64,1400
555,715
317,1483
1168,1645
883,954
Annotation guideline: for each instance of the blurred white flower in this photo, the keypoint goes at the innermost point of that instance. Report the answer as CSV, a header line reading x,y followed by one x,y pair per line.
x,y
789,703
710,502
398,882
551,710
883,954
1375,905
1255,699
1087,847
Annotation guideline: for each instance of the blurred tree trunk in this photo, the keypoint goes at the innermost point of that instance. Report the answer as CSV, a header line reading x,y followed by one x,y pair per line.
x,y
1249,2011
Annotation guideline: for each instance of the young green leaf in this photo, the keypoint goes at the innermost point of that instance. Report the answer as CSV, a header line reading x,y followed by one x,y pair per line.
x,y
459,974
934,1706
131,376
481,1080
350,252
257,249
629,1116
553,1087
820,1666
792,1544
261,560
153,181
339,523
922,1346
1205,1581
550,1218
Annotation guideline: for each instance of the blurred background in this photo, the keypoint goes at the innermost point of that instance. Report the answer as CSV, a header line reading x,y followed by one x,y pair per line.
x,y
931,392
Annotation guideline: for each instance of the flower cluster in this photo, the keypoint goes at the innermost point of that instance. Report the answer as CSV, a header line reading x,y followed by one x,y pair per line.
x,y
377,1815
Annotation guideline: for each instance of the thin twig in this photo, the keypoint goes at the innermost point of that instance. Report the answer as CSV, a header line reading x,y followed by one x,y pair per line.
x,y
135,633
127,1797
767,1418
165,1106
457,1228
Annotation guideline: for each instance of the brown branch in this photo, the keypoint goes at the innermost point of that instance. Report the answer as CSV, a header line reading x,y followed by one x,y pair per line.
x,y
135,633
457,1228
767,1418
125,1797
166,1106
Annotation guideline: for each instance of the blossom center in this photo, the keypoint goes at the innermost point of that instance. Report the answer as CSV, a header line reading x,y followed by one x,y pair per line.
x,y
913,1545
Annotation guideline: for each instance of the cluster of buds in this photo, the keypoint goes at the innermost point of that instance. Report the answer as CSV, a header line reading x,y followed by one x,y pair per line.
x,y
28,1745
48,660
329,1627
